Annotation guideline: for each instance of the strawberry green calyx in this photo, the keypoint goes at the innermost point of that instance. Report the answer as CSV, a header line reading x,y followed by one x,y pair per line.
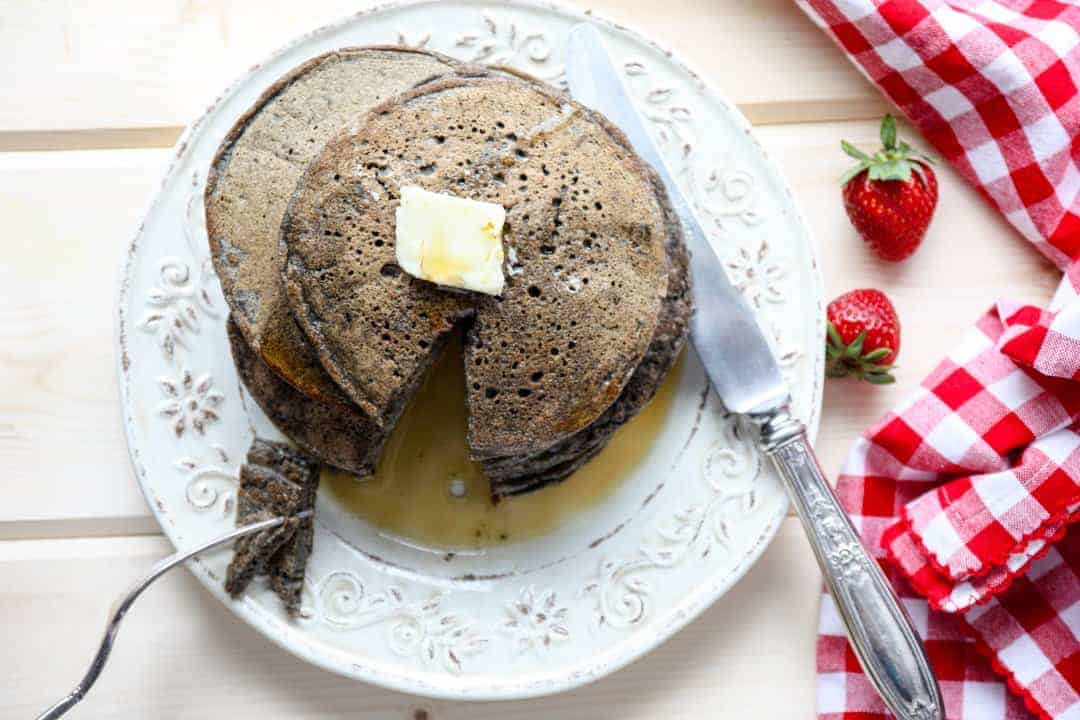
x,y
894,161
842,359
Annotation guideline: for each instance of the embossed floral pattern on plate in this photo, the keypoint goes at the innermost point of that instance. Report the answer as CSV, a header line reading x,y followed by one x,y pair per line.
x,y
679,531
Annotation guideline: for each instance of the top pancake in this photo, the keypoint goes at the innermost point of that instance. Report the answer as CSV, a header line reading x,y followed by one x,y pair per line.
x,y
585,239
255,172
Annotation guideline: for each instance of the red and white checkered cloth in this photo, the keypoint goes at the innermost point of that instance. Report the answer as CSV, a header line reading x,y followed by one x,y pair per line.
x,y
968,489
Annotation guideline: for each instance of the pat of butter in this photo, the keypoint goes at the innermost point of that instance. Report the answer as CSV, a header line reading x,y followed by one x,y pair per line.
x,y
451,241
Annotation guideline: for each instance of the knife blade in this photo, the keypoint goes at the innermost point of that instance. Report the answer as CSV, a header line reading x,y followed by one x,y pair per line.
x,y
742,369
736,355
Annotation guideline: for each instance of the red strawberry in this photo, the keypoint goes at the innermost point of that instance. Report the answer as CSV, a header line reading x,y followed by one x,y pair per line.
x,y
864,336
890,196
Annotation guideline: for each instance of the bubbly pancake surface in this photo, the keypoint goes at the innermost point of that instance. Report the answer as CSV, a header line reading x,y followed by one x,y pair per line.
x,y
587,241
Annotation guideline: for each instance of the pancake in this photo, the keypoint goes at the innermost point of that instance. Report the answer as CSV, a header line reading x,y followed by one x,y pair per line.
x,y
334,433
518,475
595,308
275,481
255,172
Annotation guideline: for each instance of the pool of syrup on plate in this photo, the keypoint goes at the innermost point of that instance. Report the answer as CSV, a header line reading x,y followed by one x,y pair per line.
x,y
410,496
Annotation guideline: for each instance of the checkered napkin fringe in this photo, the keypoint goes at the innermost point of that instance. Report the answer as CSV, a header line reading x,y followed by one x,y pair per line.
x,y
968,489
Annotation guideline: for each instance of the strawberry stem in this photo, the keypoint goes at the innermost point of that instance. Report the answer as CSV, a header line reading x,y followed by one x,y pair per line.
x,y
888,132
843,359
896,160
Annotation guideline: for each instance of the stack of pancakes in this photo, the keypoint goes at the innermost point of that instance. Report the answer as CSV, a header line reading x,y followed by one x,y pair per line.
x,y
332,339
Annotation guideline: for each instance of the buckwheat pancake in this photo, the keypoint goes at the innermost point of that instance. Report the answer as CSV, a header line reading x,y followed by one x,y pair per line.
x,y
275,481
335,433
595,308
518,475
255,172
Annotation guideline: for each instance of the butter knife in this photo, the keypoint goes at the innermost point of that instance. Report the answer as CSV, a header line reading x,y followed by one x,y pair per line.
x,y
744,372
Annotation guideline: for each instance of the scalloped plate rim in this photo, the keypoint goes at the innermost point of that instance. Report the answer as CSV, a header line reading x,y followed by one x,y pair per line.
x,y
620,653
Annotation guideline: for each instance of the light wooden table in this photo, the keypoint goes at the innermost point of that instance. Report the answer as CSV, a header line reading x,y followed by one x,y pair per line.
x,y
94,93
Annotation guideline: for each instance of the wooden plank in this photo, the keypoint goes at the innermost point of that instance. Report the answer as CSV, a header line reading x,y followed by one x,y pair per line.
x,y
71,215
180,649
127,73
89,139
68,218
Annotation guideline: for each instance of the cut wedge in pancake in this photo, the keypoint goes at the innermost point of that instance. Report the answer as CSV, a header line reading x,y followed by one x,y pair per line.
x,y
594,310
336,434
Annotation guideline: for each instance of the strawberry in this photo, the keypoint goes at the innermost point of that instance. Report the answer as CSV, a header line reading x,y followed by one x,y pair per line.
x,y
864,336
890,196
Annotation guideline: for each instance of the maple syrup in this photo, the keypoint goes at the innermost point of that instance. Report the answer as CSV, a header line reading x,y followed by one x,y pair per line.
x,y
426,491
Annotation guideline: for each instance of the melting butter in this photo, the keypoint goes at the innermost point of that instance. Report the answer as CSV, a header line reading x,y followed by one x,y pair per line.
x,y
451,241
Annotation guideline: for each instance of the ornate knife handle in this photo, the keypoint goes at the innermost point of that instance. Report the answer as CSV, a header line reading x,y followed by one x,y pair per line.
x,y
880,631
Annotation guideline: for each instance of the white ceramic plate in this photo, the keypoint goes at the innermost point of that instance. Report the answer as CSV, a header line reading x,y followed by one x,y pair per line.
x,y
537,616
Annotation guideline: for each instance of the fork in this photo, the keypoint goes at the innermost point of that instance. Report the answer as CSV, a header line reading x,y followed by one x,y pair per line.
x,y
124,603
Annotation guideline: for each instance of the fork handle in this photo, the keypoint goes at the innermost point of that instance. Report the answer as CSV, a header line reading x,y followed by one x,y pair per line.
x,y
61,707
124,603
880,631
